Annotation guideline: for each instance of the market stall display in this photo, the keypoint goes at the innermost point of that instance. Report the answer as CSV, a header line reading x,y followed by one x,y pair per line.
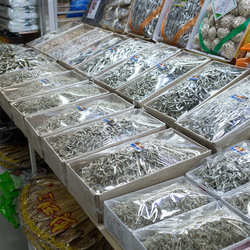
x,y
135,65
224,170
187,94
54,219
217,121
161,76
213,225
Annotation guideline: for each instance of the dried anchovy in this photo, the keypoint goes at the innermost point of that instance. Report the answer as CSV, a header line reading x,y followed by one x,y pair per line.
x,y
55,99
85,54
74,116
100,134
82,41
157,78
20,76
6,48
224,171
113,55
136,65
213,233
71,34
140,11
125,165
15,61
189,93
220,115
52,34
183,14
241,201
149,208
40,85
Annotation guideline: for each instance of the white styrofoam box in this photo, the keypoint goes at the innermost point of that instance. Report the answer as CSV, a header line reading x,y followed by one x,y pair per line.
x,y
124,234
239,73
82,111
162,77
93,200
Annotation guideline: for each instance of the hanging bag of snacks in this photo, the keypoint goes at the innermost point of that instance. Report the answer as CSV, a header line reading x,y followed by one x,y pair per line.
x,y
175,32
223,29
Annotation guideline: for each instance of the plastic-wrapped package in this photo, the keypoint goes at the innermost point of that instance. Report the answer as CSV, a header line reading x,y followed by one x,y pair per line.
x,y
41,85
97,48
144,15
239,199
94,12
19,60
225,170
23,12
135,160
221,33
136,65
149,206
20,25
61,97
54,33
116,15
54,219
219,117
213,226
161,75
178,32
102,133
14,3
78,43
77,113
19,76
187,94
112,56
64,38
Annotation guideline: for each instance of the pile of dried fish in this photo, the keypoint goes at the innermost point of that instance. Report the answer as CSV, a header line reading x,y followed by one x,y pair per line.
x,y
225,170
222,114
127,163
138,211
186,95
136,65
58,98
113,55
165,73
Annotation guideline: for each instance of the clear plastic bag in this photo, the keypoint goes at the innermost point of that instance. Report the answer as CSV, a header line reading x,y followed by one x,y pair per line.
x,y
161,75
136,65
55,99
220,116
144,16
19,76
149,206
78,43
186,95
224,170
102,133
213,226
112,56
23,12
98,47
131,161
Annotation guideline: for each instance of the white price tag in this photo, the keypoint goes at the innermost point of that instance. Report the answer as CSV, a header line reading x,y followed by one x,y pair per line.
x,y
222,7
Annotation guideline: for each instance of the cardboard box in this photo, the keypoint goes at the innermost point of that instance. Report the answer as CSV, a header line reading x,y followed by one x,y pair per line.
x,y
122,233
93,202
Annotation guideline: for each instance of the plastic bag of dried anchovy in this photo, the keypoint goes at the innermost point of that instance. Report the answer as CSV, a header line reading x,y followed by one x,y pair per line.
x,y
221,29
144,16
175,25
222,120
156,203
212,226
223,171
